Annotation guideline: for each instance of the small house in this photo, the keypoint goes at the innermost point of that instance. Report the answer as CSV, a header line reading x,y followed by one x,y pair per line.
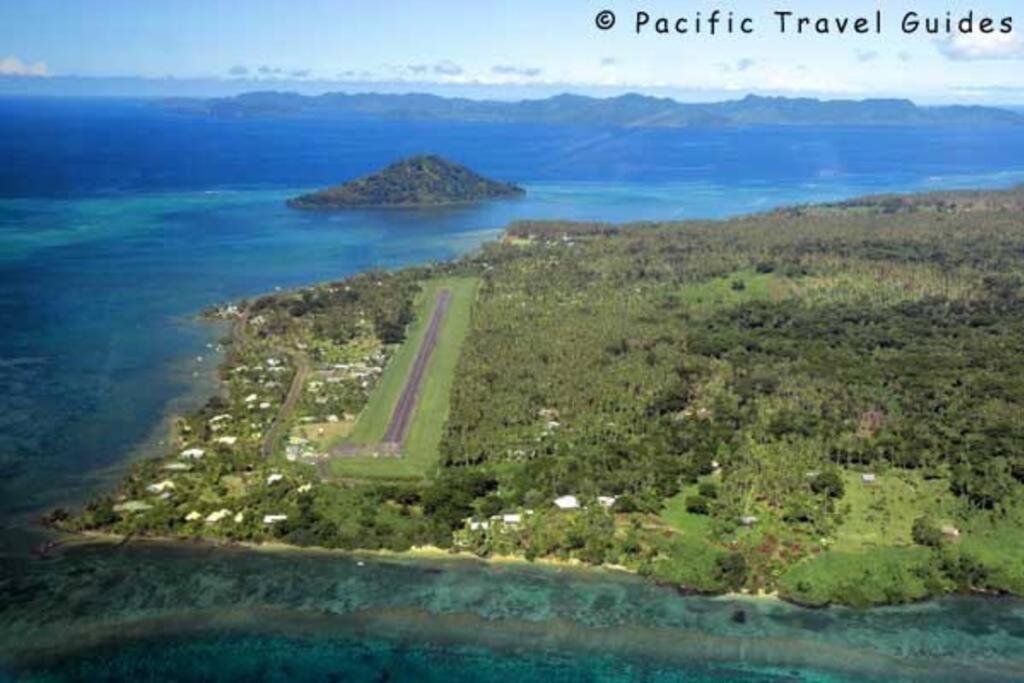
x,y
274,519
193,453
868,478
748,520
606,501
133,506
567,503
217,516
512,518
274,478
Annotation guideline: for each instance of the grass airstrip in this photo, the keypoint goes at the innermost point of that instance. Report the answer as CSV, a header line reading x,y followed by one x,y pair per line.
x,y
420,450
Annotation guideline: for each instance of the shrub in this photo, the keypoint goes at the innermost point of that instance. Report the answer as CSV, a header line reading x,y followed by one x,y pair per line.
x,y
828,483
925,532
708,489
698,505
732,570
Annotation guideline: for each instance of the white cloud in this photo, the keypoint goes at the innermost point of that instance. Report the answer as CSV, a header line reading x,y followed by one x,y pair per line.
x,y
446,67
798,80
513,70
964,47
12,66
740,65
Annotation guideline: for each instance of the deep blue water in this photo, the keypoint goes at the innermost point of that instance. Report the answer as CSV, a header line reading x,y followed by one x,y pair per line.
x,y
119,222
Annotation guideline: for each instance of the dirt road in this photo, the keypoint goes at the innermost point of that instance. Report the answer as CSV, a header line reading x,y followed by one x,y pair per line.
x,y
294,394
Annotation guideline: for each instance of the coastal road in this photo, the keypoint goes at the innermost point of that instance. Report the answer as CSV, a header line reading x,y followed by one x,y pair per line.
x,y
294,393
395,434
240,335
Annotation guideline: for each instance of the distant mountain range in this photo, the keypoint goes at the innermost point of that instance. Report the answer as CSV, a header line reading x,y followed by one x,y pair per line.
x,y
627,110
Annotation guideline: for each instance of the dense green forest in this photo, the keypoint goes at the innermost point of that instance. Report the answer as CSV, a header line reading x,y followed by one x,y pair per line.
x,y
824,401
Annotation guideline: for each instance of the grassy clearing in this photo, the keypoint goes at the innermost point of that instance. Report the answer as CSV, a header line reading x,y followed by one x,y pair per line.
x,y
998,544
882,513
736,288
691,563
688,525
882,283
324,435
842,282
420,452
876,577
689,556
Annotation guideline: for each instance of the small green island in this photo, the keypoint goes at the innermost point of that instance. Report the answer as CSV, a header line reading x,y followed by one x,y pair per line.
x,y
823,402
419,181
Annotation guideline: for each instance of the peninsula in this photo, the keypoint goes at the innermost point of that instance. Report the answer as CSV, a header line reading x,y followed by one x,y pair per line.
x,y
418,181
822,401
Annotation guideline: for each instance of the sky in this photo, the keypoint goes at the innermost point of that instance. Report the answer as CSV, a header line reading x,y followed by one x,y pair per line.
x,y
485,48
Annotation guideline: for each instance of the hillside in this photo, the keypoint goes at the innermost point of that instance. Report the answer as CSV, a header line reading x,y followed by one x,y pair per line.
x,y
630,110
416,181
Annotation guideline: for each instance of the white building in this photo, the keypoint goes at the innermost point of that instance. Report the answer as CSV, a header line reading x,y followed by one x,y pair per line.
x,y
215,517
567,503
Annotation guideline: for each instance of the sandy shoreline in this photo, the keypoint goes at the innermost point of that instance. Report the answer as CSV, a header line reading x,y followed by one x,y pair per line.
x,y
428,552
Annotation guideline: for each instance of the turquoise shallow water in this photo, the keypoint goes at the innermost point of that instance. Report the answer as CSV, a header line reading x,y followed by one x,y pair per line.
x,y
118,223
153,611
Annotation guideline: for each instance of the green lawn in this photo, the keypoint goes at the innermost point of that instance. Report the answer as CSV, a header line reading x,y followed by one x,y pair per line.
x,y
999,545
420,452
689,558
737,288
689,525
883,513
873,577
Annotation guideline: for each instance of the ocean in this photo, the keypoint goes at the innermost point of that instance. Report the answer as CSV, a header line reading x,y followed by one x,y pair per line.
x,y
119,222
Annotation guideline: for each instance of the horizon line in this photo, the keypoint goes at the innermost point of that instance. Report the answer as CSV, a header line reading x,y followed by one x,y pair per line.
x,y
148,87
